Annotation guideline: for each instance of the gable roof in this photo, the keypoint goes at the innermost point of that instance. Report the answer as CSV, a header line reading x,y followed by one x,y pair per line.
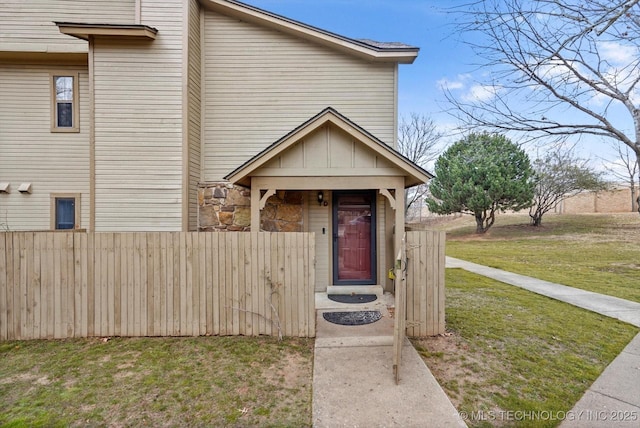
x,y
414,174
363,48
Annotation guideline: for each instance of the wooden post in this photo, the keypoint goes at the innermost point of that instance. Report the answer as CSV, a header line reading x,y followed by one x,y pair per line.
x,y
399,324
255,207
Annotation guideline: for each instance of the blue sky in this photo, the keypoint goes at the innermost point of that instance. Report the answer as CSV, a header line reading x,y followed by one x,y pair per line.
x,y
427,24
422,23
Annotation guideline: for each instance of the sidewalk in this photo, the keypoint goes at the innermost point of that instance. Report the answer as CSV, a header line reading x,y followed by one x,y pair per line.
x,y
613,400
353,382
614,307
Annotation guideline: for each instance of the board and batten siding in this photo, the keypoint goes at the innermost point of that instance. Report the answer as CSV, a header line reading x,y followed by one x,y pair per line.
x,y
30,153
139,128
28,25
328,151
194,112
259,84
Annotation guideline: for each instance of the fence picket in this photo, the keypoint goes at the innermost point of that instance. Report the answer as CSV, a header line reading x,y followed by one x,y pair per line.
x,y
4,305
425,283
78,284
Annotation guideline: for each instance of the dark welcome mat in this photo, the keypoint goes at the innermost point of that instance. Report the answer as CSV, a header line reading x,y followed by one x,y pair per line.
x,y
353,298
352,318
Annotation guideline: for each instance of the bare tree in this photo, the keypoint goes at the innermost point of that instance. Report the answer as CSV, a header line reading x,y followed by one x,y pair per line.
x,y
418,140
627,170
556,68
559,175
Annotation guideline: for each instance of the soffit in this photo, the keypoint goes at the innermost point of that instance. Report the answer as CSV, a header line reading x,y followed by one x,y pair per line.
x,y
120,31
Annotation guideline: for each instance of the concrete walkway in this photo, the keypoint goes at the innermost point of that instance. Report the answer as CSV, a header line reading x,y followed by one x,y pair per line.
x,y
610,306
613,400
353,382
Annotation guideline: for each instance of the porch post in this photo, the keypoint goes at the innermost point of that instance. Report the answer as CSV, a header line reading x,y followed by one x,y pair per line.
x,y
255,207
399,323
399,224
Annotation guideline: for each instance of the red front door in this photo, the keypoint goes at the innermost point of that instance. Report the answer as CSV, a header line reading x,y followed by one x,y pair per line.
x,y
354,238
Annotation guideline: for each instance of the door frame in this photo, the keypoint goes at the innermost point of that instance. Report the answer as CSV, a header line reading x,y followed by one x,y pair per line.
x,y
374,239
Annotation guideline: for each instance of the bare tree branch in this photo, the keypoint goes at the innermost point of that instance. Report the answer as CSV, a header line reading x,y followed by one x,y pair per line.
x,y
559,175
418,140
555,68
627,161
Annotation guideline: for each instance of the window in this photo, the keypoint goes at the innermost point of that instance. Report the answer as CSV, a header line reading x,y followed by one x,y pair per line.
x,y
65,211
64,94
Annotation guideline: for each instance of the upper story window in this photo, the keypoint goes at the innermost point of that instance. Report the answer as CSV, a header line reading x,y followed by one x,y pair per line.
x,y
64,111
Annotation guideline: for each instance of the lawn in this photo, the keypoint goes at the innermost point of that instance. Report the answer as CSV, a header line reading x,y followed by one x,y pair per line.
x,y
204,381
594,252
508,349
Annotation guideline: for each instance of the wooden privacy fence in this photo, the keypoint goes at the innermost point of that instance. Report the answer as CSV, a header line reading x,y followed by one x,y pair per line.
x,y
425,283
65,284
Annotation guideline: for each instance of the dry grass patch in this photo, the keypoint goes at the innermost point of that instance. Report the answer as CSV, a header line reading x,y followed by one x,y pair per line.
x,y
205,381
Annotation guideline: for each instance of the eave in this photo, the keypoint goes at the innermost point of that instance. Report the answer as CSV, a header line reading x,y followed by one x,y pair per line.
x,y
375,52
85,31
43,57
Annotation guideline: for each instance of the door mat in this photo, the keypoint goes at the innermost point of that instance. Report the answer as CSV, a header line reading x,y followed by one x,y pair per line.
x,y
353,298
352,318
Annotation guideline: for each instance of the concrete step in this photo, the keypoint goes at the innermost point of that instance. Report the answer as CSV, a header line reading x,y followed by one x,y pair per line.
x,y
338,342
382,304
355,289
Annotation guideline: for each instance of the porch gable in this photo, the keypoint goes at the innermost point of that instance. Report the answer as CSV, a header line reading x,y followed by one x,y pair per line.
x,y
329,145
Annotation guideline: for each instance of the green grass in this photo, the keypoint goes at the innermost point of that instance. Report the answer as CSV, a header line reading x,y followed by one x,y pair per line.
x,y
599,253
513,350
206,381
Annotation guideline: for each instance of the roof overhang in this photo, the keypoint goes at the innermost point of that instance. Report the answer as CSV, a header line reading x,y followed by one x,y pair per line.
x,y
43,57
85,31
366,49
413,174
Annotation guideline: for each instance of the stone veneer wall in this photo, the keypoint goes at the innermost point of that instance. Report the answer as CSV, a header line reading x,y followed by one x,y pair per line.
x,y
283,212
225,207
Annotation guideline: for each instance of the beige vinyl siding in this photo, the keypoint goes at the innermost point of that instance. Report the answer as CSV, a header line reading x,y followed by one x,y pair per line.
x,y
194,89
28,25
31,153
138,127
260,84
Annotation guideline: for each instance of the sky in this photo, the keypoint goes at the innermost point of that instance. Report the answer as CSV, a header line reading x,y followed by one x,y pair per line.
x,y
444,56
